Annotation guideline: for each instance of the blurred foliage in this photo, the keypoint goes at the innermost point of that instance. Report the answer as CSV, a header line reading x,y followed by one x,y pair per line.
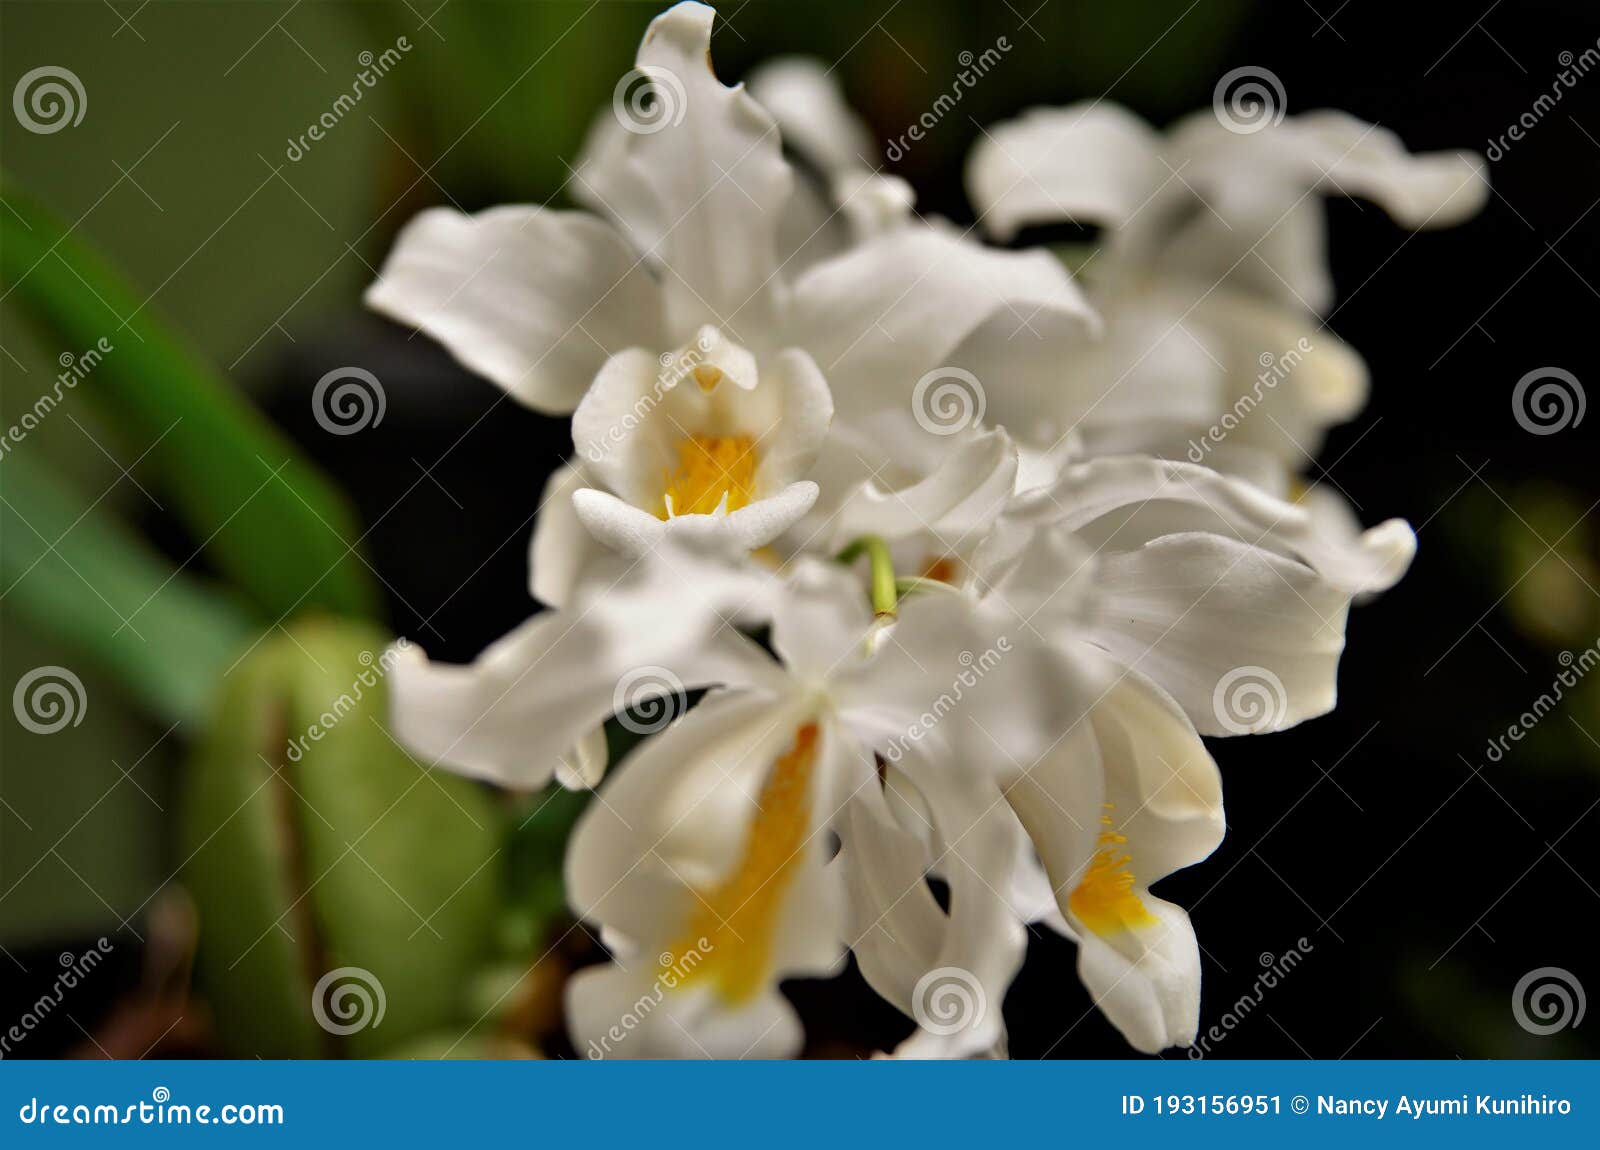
x,y
261,513
57,541
346,853
1547,558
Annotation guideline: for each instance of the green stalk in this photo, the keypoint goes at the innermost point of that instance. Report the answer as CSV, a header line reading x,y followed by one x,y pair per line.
x,y
884,593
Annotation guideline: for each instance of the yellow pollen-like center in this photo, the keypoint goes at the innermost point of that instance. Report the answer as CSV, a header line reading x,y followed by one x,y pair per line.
x,y
1105,900
736,920
710,466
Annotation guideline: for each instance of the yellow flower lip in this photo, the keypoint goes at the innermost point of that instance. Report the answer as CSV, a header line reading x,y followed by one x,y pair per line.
x,y
731,932
711,469
1105,900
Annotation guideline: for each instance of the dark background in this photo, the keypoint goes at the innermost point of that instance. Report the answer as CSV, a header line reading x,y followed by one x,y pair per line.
x,y
1426,878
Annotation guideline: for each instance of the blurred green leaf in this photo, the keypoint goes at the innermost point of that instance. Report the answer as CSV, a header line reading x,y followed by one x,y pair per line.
x,y
263,515
79,576
319,844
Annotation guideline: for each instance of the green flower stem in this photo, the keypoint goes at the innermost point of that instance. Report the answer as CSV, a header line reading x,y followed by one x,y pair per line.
x,y
884,590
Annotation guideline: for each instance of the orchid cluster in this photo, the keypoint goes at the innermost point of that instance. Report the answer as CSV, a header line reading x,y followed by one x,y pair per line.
x,y
966,558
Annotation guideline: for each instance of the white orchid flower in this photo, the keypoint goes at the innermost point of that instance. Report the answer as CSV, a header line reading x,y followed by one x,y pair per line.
x,y
932,744
688,274
708,857
1211,278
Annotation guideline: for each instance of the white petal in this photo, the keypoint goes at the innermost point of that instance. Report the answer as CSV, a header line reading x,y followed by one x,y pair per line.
x,y
532,299
1119,503
821,622
961,497
584,766
617,1013
632,532
958,1001
700,183
1092,162
895,925
1187,610
883,315
805,99
560,547
1255,188
619,430
806,410
1147,981
1162,785
677,820
511,715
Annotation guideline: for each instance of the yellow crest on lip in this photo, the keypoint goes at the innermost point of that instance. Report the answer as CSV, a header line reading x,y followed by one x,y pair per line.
x,y
738,918
709,467
1105,901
